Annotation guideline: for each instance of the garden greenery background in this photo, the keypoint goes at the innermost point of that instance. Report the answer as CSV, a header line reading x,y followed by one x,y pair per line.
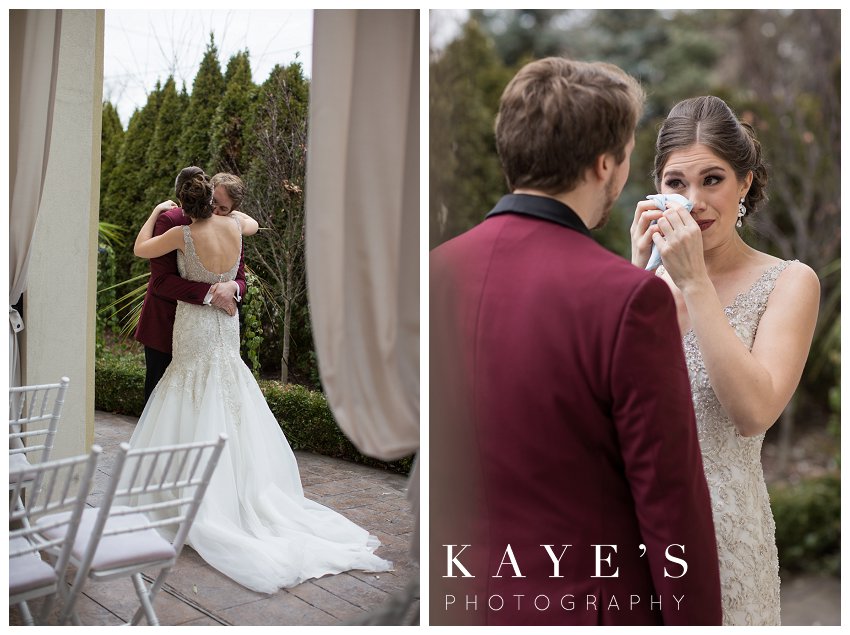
x,y
780,71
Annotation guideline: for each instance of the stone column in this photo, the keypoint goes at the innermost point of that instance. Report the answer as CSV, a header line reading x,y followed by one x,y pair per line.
x,y
59,304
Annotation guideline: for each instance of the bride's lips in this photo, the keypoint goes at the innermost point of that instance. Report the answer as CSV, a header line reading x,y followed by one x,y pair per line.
x,y
704,224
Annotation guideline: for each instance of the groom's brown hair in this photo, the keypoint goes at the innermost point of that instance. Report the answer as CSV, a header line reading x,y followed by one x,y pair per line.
x,y
557,116
233,185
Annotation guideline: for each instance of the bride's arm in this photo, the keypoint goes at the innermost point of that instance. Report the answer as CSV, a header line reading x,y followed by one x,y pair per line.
x,y
149,246
753,386
247,224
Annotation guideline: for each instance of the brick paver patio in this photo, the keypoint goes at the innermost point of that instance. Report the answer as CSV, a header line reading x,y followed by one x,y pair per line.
x,y
196,594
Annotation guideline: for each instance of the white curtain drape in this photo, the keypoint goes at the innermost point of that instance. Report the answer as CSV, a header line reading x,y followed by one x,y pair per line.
x,y
33,66
362,233
363,223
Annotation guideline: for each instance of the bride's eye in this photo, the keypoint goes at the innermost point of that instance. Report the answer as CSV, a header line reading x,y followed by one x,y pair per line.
x,y
673,183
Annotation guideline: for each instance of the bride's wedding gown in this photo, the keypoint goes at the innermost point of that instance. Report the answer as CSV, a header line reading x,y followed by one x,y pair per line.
x,y
743,521
254,524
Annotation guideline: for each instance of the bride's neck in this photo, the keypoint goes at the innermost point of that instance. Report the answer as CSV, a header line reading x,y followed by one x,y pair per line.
x,y
726,256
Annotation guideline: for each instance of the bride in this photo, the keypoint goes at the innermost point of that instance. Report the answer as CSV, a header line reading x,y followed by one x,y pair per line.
x,y
254,525
747,320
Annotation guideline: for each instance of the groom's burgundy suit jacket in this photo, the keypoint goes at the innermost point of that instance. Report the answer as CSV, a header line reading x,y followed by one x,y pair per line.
x,y
561,414
165,287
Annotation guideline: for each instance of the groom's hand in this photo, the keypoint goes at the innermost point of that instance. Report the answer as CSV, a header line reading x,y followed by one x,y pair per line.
x,y
224,296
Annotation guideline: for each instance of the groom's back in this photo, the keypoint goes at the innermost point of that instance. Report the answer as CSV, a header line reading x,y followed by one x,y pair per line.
x,y
527,367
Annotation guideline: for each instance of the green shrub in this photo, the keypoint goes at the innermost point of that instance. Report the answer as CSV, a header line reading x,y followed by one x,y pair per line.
x,y
105,294
308,424
119,383
808,524
304,415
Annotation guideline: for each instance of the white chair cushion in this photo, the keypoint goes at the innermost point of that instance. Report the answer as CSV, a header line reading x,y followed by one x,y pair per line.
x,y
27,571
137,547
17,462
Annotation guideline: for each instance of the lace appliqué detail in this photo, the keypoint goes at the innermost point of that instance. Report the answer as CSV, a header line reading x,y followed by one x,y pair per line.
x,y
743,521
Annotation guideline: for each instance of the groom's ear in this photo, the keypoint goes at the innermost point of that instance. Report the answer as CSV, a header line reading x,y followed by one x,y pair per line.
x,y
602,167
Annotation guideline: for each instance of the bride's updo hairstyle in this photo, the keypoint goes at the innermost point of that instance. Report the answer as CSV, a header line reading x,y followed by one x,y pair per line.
x,y
710,122
194,192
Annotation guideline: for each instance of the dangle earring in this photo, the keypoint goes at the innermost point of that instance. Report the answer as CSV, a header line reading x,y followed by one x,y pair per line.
x,y
741,211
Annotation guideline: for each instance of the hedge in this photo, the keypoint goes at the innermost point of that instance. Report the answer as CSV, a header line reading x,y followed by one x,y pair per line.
x,y
808,524
119,383
304,415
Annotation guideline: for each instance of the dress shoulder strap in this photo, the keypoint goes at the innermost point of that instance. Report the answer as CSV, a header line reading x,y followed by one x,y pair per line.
x,y
187,239
759,293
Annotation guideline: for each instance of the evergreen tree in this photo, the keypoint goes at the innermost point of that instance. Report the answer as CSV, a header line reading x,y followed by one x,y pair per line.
x,y
207,92
523,34
128,181
162,159
466,81
232,118
111,140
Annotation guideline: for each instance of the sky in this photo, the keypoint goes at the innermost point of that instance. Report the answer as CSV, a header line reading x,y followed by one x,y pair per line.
x,y
444,25
141,47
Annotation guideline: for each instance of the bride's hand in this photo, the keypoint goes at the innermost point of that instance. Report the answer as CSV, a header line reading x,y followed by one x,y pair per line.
x,y
679,242
641,232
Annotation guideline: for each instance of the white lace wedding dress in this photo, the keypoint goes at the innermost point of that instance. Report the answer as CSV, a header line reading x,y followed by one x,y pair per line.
x,y
254,524
743,521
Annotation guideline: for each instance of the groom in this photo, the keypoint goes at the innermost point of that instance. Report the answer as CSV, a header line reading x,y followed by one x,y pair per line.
x,y
166,287
566,481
